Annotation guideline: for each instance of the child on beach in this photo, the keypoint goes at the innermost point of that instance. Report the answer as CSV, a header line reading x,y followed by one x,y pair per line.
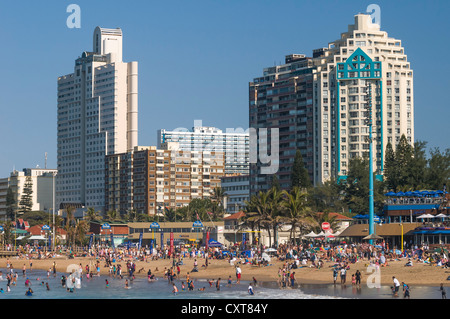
x,y
250,289
175,289
353,280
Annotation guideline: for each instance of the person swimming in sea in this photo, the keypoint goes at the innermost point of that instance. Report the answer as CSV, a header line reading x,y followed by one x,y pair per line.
x,y
29,292
250,290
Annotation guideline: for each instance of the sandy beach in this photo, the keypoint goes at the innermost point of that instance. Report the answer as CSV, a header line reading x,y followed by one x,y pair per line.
x,y
419,274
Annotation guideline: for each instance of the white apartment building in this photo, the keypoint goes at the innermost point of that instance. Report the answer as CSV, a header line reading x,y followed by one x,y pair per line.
x,y
363,56
234,143
97,116
42,181
237,192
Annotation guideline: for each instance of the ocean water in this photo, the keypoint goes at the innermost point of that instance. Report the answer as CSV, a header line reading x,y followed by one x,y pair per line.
x,y
140,288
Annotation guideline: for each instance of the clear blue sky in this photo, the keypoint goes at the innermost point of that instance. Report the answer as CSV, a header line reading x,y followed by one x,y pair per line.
x,y
196,59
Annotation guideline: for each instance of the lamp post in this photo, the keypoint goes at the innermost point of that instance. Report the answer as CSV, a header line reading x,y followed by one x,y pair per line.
x,y
197,225
105,227
53,213
402,236
45,229
155,226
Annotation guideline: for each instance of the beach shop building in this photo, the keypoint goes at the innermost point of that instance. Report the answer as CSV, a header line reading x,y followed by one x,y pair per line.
x,y
420,217
187,233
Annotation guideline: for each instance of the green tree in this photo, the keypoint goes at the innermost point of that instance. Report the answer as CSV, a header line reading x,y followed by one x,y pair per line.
x,y
299,176
403,156
26,200
391,172
416,178
356,187
327,198
11,206
275,183
438,170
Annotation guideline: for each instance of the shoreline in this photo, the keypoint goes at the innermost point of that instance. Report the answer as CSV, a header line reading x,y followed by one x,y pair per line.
x,y
418,275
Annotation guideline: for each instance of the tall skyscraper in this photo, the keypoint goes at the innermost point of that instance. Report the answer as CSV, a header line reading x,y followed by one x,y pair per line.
x,y
283,98
97,116
321,103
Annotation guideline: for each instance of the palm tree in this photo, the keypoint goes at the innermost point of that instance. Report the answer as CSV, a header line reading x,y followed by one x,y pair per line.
x,y
257,211
70,225
297,212
218,196
112,215
92,215
80,231
275,218
133,216
172,214
325,217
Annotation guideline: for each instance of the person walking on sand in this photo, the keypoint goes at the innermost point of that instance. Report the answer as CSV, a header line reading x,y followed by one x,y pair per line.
x,y
335,275
292,278
218,284
396,286
238,274
443,292
406,291
343,275
358,278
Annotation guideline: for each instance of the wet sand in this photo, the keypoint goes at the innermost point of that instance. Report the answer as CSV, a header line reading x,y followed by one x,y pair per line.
x,y
418,275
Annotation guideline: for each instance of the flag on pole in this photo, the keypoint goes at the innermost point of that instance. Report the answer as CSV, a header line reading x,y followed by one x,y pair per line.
x,y
90,240
112,241
140,240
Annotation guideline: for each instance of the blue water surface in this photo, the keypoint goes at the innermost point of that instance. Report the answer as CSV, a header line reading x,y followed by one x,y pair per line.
x,y
140,288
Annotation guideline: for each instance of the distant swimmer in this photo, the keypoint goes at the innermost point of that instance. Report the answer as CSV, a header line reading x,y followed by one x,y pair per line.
x,y
29,292
107,283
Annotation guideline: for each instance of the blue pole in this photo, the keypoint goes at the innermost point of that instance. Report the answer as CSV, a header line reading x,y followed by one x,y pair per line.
x,y
371,204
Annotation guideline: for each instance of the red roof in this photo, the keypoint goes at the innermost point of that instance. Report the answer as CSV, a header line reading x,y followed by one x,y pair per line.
x,y
337,216
36,230
235,216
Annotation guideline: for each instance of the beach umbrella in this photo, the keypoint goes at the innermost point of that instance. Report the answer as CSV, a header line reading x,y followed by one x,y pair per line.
x,y
409,193
311,234
390,194
441,216
426,216
400,194
373,236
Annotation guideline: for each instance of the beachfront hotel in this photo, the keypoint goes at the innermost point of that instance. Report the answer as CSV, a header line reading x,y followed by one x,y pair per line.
x,y
97,116
234,143
148,179
319,103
